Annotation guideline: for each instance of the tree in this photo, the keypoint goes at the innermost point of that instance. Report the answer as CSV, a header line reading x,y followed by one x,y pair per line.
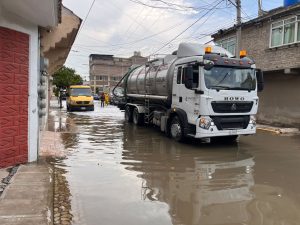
x,y
66,77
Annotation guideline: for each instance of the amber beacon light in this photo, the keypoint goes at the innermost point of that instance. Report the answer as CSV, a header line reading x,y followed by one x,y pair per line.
x,y
208,50
243,53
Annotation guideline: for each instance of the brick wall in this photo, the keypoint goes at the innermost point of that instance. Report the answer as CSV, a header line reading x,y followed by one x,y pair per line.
x,y
109,70
14,64
256,40
111,67
279,101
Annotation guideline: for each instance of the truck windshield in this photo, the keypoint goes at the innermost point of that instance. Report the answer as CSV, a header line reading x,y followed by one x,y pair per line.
x,y
81,92
228,78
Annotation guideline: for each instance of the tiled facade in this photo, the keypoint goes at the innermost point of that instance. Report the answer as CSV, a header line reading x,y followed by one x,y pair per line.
x,y
14,72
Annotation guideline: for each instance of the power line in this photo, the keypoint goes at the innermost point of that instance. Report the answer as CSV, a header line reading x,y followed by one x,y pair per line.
x,y
129,27
138,40
128,43
172,6
186,28
87,15
158,7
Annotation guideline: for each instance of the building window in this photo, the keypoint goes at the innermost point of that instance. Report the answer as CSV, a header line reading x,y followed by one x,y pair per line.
x,y
102,78
285,32
228,43
277,36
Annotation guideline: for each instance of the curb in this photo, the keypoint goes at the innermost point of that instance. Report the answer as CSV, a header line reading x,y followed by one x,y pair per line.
x,y
278,131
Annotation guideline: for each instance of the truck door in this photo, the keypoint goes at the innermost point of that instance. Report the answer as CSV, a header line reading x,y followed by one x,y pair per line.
x,y
186,81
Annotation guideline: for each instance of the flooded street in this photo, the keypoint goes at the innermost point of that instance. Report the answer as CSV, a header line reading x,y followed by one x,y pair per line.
x,y
117,173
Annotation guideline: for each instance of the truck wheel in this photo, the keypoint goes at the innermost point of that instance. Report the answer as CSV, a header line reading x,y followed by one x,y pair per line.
x,y
138,118
128,114
176,129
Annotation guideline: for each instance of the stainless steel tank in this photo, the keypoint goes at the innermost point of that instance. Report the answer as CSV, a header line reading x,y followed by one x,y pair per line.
x,y
153,80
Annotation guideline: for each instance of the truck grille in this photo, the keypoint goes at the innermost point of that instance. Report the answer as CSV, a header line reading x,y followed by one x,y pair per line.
x,y
82,102
231,122
232,107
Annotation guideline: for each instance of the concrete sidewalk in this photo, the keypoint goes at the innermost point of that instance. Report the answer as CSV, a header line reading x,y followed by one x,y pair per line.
x,y
27,200
29,197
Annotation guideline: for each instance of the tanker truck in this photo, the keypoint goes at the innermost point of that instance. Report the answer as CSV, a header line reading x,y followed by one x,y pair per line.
x,y
197,91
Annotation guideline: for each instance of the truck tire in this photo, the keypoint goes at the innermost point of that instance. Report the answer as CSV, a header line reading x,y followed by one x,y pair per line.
x,y
176,129
128,114
138,118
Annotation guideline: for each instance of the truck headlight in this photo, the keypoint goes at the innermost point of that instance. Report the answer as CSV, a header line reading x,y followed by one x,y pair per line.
x,y
252,120
73,102
205,122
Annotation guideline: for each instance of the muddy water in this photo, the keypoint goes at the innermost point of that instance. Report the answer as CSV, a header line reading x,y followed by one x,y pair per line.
x,y
121,174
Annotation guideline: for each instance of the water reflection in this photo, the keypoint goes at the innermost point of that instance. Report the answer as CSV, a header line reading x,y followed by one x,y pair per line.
x,y
202,184
123,174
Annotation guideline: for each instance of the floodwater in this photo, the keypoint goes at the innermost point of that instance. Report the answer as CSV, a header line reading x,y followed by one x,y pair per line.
x,y
117,173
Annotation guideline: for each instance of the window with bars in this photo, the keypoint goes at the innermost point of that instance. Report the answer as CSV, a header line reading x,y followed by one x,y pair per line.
x,y
285,32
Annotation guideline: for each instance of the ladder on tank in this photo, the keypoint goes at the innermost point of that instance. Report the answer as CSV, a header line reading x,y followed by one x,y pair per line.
x,y
148,114
147,118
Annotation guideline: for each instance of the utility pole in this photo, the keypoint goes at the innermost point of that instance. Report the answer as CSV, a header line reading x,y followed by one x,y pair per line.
x,y
239,28
238,45
260,11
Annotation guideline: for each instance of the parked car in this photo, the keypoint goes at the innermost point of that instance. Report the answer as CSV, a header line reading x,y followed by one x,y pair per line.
x,y
96,97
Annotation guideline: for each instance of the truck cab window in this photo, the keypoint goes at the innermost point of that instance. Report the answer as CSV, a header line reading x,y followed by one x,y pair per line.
x,y
195,76
190,76
179,72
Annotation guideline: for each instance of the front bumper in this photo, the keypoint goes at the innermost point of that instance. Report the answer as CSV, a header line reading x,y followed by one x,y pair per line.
x,y
213,131
81,107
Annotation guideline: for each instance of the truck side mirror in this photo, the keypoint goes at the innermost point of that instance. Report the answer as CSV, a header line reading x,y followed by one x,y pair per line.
x,y
260,80
209,65
188,77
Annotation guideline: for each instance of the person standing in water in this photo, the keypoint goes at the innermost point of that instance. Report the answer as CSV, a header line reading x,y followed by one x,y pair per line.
x,y
102,99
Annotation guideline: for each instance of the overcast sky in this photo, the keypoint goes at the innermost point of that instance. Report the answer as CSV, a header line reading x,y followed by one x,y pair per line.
x,y
120,27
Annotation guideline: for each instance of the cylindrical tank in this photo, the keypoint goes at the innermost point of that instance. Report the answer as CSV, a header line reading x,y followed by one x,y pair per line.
x,y
290,2
154,80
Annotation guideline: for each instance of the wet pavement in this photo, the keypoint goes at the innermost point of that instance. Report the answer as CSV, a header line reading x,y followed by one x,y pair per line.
x,y
117,173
